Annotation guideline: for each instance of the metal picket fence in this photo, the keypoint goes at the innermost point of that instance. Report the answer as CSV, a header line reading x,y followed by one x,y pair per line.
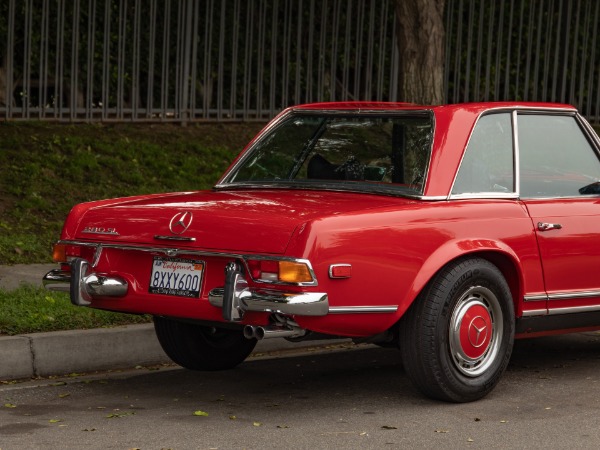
x,y
193,60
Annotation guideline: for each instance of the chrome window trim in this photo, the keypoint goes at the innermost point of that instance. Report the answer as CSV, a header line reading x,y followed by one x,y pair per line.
x,y
224,182
515,111
171,252
484,195
493,195
329,188
516,153
588,132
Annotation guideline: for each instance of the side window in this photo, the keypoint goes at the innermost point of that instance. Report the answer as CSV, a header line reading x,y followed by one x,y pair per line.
x,y
487,165
556,159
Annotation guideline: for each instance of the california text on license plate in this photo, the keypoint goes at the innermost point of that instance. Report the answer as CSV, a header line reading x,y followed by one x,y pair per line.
x,y
176,276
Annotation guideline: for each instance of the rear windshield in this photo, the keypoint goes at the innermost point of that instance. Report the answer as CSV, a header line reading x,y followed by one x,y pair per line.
x,y
358,152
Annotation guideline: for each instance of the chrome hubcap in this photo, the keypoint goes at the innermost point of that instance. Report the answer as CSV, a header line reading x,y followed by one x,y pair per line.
x,y
476,331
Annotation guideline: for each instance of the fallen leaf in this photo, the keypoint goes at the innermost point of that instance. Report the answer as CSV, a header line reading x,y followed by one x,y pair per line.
x,y
66,394
9,405
201,413
364,433
388,427
55,420
503,421
470,440
119,415
257,424
60,383
232,417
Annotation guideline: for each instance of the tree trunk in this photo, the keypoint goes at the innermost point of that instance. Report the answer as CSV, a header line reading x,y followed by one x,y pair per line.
x,y
421,42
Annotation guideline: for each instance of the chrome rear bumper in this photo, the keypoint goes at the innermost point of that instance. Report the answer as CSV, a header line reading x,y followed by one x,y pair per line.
x,y
83,286
302,304
235,299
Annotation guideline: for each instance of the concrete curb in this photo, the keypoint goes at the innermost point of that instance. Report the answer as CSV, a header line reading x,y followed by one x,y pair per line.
x,y
65,352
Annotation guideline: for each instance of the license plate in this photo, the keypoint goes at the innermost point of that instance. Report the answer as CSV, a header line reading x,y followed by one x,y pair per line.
x,y
176,276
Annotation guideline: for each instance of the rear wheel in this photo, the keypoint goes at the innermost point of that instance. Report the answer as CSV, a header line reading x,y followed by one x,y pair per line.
x,y
457,338
200,347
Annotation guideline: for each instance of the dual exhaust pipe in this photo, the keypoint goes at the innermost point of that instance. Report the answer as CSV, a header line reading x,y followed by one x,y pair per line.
x,y
272,331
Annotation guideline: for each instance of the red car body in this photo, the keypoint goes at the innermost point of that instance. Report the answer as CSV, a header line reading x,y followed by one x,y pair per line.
x,y
269,255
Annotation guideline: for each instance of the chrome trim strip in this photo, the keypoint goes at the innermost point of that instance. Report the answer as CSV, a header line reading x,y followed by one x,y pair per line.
x,y
573,309
171,252
301,304
175,238
535,312
570,295
484,195
362,309
535,298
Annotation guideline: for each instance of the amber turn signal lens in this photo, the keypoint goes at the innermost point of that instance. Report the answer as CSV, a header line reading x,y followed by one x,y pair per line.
x,y
59,253
294,272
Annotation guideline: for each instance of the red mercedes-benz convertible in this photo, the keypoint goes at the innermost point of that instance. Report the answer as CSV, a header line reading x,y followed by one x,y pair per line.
x,y
447,231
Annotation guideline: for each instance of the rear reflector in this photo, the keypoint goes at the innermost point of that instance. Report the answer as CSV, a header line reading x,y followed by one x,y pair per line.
x,y
340,271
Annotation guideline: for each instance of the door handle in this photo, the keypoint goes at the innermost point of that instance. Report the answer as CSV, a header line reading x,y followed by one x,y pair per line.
x,y
543,226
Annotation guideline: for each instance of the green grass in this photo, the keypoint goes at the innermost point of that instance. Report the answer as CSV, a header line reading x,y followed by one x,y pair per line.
x,y
45,169
30,310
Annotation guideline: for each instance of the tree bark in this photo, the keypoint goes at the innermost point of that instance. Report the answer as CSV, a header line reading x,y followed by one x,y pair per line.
x,y
421,42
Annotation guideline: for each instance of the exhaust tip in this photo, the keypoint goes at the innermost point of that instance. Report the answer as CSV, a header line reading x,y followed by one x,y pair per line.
x,y
259,333
250,332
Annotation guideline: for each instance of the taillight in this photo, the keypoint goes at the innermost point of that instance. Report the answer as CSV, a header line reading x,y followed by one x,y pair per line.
x,y
269,270
63,253
59,253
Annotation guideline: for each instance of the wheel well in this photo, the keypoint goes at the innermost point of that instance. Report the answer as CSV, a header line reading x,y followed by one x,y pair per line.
x,y
504,263
510,272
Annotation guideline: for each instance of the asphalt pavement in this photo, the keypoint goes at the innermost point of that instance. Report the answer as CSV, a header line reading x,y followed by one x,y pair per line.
x,y
67,352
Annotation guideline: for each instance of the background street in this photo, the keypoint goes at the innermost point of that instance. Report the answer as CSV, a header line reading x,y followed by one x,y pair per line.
x,y
339,398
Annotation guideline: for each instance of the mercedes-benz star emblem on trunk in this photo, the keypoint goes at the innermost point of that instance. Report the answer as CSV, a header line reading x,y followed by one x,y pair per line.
x,y
181,222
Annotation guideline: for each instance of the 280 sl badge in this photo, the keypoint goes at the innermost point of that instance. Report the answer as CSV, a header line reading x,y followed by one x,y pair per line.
x,y
100,230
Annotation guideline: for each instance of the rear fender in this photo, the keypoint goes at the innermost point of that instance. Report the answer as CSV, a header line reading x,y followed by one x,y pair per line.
x,y
496,252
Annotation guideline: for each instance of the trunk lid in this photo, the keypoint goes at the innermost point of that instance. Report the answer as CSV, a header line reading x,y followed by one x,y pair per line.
x,y
254,221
